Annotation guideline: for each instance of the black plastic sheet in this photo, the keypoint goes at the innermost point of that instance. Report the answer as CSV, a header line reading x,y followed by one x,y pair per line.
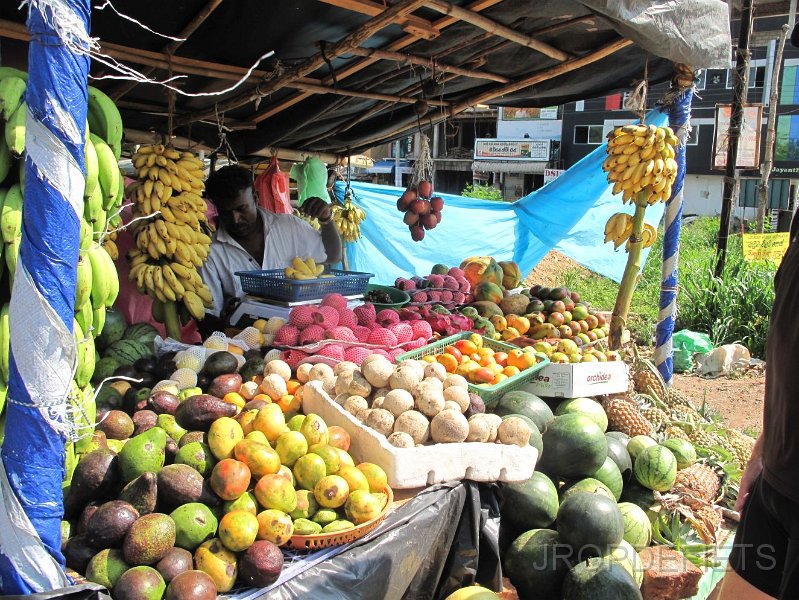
x,y
86,591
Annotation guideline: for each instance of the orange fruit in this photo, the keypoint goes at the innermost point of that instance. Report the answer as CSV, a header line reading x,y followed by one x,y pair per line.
x,y
486,352
511,371
466,346
338,437
230,478
449,361
499,378
238,530
292,385
235,398
263,397
429,358
289,403
376,476
520,359
486,361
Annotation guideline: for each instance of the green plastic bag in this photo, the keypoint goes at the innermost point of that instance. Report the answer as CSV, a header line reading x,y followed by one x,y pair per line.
x,y
311,178
687,343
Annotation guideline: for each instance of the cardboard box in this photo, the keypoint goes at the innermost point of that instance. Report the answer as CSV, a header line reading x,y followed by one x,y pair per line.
x,y
580,379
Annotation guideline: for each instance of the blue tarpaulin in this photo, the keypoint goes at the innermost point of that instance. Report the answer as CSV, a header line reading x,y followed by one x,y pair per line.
x,y
568,214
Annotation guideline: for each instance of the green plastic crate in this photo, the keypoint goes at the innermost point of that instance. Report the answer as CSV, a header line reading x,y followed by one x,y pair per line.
x,y
399,297
492,394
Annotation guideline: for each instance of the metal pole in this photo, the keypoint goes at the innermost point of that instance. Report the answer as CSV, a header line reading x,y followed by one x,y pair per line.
x,y
768,159
739,87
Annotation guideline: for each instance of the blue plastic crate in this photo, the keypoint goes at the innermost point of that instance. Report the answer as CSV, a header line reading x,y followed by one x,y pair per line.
x,y
273,284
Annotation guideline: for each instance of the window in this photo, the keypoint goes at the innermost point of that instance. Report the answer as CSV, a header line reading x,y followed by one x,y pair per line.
x,y
588,134
715,77
786,146
757,77
406,147
789,92
701,80
693,136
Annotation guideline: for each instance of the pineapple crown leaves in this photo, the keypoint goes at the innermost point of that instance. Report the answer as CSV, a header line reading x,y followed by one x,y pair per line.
x,y
670,530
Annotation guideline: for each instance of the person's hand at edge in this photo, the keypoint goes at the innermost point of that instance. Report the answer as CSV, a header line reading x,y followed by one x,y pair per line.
x,y
316,208
753,469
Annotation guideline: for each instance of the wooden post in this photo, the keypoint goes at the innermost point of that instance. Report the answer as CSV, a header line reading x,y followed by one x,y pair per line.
x,y
768,158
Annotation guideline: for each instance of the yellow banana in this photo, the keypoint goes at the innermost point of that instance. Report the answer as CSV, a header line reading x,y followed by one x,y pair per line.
x,y
194,304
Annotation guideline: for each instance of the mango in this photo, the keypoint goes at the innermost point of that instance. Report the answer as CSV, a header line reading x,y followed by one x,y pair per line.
x,y
323,516
362,506
275,526
217,561
230,478
271,422
330,455
331,491
198,456
376,476
246,502
284,471
275,491
223,436
149,539
257,436
140,583
290,446
308,470
247,420
295,422
260,458
142,453
194,524
344,457
306,527
314,429
488,292
354,477
338,525
167,423
306,505
238,530
107,566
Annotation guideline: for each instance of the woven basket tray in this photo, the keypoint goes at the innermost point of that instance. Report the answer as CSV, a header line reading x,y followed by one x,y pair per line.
x,y
336,538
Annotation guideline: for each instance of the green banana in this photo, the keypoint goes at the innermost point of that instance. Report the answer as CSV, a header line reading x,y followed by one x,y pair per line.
x,y
5,342
15,130
12,256
3,395
105,120
120,197
101,278
84,286
12,72
93,206
98,320
12,90
107,168
84,315
5,160
98,226
92,168
85,411
86,234
85,363
11,215
70,460
113,277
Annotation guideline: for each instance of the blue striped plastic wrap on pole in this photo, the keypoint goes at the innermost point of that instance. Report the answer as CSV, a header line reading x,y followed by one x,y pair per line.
x,y
42,301
679,120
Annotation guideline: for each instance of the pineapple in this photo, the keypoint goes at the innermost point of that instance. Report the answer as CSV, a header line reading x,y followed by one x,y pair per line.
x,y
657,417
647,378
698,481
675,432
737,444
706,439
624,416
677,399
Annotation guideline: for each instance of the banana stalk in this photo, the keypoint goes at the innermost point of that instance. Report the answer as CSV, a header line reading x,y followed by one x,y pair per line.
x,y
618,320
172,320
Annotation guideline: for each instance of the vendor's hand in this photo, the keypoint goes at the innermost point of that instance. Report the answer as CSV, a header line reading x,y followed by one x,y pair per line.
x,y
751,473
316,208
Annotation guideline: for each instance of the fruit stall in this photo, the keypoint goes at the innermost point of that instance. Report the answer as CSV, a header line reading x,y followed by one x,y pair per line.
x,y
431,434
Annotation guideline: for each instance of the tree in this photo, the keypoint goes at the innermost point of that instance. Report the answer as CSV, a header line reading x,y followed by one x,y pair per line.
x,y
483,192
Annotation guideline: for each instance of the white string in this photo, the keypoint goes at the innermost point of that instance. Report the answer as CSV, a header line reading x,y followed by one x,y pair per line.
x,y
139,23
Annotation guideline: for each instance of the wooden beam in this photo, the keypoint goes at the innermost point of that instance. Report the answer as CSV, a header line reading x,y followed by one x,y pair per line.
x,y
426,62
410,24
555,27
358,66
353,40
498,29
323,89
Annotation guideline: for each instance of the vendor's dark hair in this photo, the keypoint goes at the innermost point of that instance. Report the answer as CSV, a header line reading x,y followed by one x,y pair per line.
x,y
225,184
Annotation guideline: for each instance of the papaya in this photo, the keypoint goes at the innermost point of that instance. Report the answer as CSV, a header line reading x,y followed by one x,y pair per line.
x,y
512,276
482,269
488,292
486,309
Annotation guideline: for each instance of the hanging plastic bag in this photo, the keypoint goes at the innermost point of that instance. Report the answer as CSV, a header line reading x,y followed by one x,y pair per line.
x,y
687,343
273,189
311,178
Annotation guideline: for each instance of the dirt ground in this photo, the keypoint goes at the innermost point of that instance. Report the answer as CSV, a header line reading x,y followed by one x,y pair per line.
x,y
549,272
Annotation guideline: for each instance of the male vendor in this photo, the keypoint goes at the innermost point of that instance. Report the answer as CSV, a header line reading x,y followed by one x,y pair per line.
x,y
250,238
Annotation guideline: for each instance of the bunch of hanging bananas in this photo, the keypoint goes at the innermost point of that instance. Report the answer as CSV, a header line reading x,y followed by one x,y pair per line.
x,y
304,268
348,219
641,159
619,229
172,236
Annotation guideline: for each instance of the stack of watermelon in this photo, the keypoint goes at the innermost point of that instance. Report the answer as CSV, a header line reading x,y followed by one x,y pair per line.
x,y
581,519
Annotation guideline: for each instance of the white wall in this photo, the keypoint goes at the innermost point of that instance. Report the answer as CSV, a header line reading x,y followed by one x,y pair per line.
x,y
703,194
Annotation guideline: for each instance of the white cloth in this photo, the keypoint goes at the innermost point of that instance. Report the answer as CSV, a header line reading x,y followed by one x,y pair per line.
x,y
285,236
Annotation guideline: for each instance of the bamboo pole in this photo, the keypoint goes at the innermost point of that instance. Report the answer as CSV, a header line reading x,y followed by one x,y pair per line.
x,y
322,89
353,40
618,320
430,63
410,24
498,29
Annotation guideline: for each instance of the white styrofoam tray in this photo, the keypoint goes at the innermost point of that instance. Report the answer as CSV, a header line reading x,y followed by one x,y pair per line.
x,y
423,465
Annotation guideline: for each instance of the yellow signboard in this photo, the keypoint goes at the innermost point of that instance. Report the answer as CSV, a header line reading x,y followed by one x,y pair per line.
x,y
765,246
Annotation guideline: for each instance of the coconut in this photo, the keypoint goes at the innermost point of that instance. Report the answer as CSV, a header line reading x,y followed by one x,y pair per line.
x,y
514,430
303,372
479,429
381,420
400,439
279,368
459,395
398,402
359,386
435,370
494,421
415,424
449,426
404,378
321,372
356,406
456,380
377,372
344,366
274,386
430,401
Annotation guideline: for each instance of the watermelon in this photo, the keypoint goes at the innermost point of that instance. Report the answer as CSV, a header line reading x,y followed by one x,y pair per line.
x,y
536,564
610,475
639,443
619,435
104,368
637,494
531,504
584,406
617,451
113,330
590,485
574,446
590,523
535,436
637,527
683,451
599,579
656,468
524,403
141,332
625,555
128,352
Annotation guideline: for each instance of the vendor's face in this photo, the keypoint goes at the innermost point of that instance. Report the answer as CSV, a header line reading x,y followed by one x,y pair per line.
x,y
240,216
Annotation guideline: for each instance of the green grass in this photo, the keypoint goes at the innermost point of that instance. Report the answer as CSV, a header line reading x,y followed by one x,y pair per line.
x,y
733,309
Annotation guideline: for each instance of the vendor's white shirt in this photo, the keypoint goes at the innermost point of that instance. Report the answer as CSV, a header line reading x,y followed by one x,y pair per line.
x,y
285,236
